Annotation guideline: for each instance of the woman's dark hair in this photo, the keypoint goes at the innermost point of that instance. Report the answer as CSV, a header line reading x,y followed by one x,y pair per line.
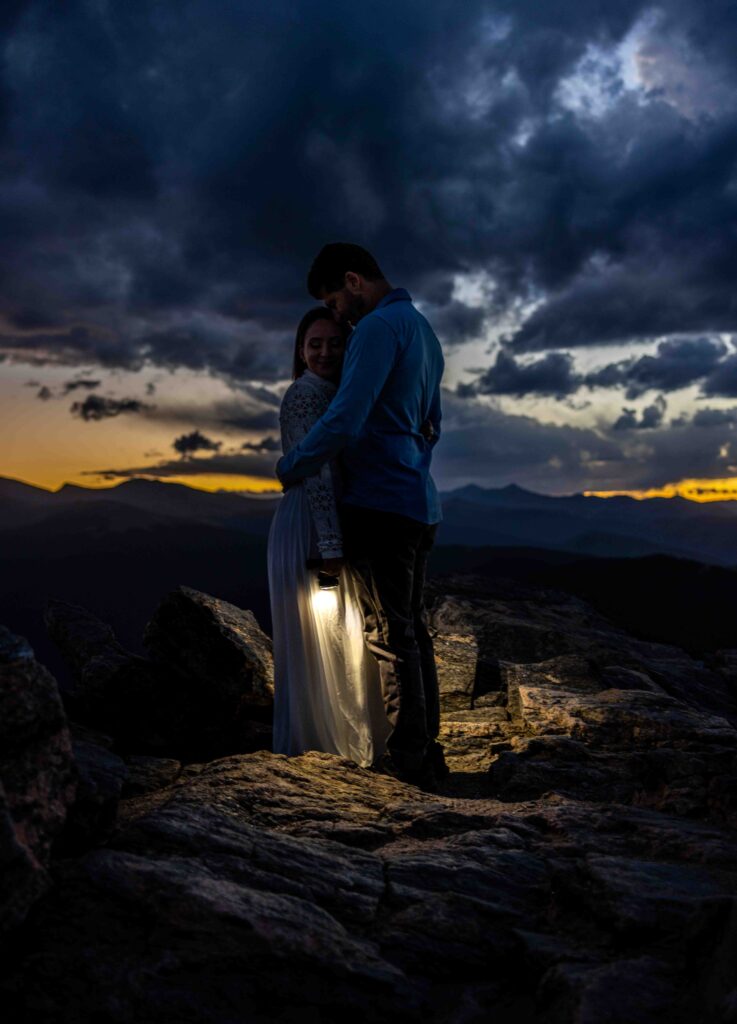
x,y
333,262
311,317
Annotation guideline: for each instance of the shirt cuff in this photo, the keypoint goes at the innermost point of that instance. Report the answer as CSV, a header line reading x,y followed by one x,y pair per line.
x,y
332,553
280,468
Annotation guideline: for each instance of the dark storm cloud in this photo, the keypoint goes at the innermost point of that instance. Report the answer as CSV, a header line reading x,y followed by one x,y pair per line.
x,y
483,444
454,322
266,444
723,378
260,464
98,407
74,385
714,417
264,419
260,394
73,345
194,442
70,385
676,364
551,375
237,353
232,414
650,417
170,169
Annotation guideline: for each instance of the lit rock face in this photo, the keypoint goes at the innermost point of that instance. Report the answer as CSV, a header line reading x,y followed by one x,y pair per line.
x,y
579,865
37,776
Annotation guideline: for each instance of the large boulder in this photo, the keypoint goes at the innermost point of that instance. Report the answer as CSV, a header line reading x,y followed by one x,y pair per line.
x,y
521,623
581,708
122,694
219,646
175,704
37,776
574,735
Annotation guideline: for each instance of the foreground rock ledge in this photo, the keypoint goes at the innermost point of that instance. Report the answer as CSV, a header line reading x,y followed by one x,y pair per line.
x,y
258,887
579,866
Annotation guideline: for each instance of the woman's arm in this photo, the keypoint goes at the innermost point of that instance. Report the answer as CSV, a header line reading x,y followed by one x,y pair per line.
x,y
301,408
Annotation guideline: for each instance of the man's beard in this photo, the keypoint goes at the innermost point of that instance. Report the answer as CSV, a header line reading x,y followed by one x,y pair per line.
x,y
357,309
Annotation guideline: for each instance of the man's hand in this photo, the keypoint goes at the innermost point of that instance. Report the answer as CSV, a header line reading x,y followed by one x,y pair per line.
x,y
285,487
427,430
332,566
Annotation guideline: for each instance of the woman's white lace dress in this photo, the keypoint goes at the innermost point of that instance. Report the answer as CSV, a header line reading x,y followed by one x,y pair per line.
x,y
327,694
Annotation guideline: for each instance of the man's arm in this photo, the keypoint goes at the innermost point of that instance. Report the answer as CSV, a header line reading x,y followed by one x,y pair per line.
x,y
371,355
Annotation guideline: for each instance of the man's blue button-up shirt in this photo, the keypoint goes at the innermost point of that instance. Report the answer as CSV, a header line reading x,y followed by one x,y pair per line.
x,y
390,386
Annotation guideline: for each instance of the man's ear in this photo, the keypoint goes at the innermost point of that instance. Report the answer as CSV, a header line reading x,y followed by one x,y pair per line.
x,y
353,282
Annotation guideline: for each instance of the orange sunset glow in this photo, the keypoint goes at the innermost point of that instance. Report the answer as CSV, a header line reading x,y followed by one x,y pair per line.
x,y
693,490
222,482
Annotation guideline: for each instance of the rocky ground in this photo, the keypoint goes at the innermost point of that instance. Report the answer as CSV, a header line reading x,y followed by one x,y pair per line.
x,y
161,865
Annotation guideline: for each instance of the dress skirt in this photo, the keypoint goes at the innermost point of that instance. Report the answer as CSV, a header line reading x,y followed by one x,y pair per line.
x,y
327,693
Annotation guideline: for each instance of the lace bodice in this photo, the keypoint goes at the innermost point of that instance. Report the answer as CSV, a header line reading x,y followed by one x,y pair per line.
x,y
303,404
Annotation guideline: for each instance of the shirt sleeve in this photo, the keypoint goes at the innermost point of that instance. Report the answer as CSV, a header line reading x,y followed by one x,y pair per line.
x,y
372,353
296,417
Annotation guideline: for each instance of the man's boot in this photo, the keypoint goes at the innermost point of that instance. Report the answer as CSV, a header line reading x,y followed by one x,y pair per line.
x,y
436,759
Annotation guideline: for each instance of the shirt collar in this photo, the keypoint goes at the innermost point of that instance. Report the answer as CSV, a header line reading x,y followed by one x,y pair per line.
x,y
395,295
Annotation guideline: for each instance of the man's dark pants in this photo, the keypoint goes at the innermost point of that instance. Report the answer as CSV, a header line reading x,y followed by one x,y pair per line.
x,y
388,553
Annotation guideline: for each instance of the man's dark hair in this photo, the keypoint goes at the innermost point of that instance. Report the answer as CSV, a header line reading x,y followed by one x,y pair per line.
x,y
334,261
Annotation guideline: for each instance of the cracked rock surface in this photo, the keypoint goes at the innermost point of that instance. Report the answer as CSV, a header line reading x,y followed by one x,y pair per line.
x,y
580,864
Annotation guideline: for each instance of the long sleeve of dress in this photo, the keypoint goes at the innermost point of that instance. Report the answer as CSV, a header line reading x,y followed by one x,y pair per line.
x,y
301,408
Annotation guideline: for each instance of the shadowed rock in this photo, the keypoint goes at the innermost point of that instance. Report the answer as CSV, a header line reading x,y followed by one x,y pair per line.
x,y
216,643
135,701
37,776
92,815
196,705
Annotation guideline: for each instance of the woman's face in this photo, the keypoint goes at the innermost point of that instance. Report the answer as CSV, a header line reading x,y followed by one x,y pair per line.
x,y
323,348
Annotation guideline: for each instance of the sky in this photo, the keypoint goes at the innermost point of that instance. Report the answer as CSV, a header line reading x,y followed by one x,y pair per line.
x,y
555,183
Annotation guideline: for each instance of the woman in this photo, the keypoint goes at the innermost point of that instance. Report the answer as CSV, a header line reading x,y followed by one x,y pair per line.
x,y
327,694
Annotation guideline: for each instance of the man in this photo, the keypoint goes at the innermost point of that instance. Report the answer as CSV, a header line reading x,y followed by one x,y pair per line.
x,y
385,420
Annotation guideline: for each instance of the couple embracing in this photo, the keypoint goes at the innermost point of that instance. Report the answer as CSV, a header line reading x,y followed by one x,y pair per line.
x,y
353,661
